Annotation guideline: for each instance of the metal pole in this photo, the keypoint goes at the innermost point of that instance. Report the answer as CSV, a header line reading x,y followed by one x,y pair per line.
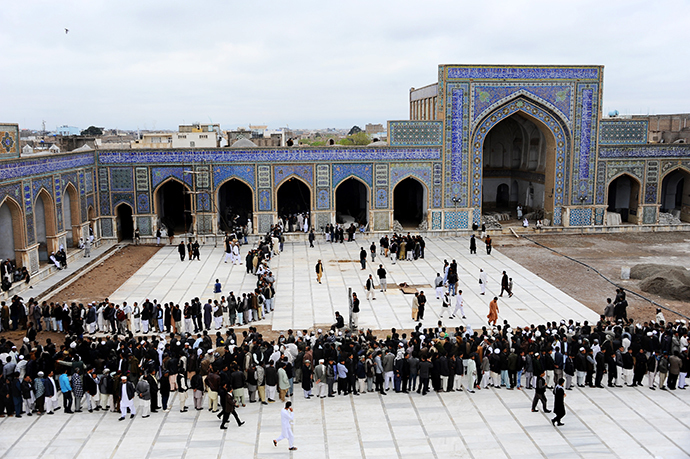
x,y
349,301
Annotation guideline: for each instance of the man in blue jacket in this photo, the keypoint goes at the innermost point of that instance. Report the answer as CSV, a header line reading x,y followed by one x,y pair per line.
x,y
66,389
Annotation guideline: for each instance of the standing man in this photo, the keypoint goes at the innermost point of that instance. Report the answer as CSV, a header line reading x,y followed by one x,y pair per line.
x,y
505,286
421,299
459,306
558,403
319,271
127,399
217,290
311,238
381,272
438,284
483,280
487,241
370,288
287,418
473,245
66,389
181,250
355,308
493,311
539,394
363,258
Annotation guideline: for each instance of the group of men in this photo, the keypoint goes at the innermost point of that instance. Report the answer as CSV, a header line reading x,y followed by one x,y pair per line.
x,y
232,370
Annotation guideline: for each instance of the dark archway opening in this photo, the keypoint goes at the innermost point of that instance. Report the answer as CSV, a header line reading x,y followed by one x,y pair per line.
x,y
8,223
175,206
125,224
351,202
675,194
408,203
234,204
623,198
515,166
293,197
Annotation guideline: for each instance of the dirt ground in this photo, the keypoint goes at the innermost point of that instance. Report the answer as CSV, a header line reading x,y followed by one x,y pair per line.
x,y
607,253
107,277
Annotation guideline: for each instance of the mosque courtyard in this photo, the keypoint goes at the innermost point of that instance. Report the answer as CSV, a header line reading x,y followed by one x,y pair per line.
x,y
621,422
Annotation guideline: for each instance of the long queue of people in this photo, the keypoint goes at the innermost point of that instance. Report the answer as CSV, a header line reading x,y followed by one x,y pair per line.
x,y
114,371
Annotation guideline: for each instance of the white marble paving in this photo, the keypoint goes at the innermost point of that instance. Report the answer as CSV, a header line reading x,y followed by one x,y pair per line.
x,y
302,303
623,423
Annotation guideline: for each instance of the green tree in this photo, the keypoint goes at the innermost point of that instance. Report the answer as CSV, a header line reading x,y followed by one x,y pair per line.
x,y
92,131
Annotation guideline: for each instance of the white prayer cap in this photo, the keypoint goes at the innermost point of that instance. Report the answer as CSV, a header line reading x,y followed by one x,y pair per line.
x,y
582,349
142,342
21,357
199,352
210,351
73,344
320,331
26,340
232,341
124,378
179,343
497,351
649,333
537,333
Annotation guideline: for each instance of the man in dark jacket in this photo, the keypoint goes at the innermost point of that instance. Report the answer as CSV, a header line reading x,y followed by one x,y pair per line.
x,y
540,394
228,404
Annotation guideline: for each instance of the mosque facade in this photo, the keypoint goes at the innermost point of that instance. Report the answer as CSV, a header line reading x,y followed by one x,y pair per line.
x,y
480,139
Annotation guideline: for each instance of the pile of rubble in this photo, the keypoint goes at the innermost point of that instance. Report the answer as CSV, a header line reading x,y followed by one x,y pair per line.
x,y
668,219
491,222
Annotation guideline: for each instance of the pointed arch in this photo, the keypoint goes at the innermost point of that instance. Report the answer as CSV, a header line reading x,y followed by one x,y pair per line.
x,y
557,135
410,200
624,197
229,199
71,214
12,230
297,203
352,196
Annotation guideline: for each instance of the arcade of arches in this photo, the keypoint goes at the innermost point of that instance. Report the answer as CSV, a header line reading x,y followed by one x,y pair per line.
x,y
515,164
675,194
234,204
351,202
293,197
409,202
174,206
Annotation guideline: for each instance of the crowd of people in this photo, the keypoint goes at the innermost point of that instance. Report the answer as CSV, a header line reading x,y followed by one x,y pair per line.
x,y
124,373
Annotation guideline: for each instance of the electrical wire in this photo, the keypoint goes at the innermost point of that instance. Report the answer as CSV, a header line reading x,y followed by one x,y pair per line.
x,y
606,278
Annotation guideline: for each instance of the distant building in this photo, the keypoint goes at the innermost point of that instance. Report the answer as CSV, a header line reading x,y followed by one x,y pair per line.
x,y
154,140
423,103
197,136
667,128
68,130
372,129
258,135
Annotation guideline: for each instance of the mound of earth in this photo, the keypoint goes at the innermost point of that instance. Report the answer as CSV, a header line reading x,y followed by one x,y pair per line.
x,y
664,280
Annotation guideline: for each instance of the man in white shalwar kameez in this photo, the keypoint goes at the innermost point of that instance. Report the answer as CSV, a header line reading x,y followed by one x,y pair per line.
x,y
126,401
482,281
287,418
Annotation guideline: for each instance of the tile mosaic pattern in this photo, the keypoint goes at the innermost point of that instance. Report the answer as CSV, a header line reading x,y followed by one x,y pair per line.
x,y
204,224
381,221
649,215
119,198
9,140
264,200
306,172
107,227
634,168
161,174
601,182
599,213
622,132
244,172
141,177
438,185
580,217
415,133
436,220
121,179
343,171
144,225
455,220
645,151
650,195
585,123
143,206
277,155
203,202
557,97
265,222
20,168
381,192
421,171
522,73
322,219
104,201
323,199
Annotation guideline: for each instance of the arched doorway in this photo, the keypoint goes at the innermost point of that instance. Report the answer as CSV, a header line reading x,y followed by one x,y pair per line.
x,y
235,204
675,194
409,202
174,206
623,198
91,213
70,215
351,202
294,197
44,215
514,165
125,223
11,231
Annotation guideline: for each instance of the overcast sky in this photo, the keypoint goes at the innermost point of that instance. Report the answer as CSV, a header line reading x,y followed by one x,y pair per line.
x,y
314,64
